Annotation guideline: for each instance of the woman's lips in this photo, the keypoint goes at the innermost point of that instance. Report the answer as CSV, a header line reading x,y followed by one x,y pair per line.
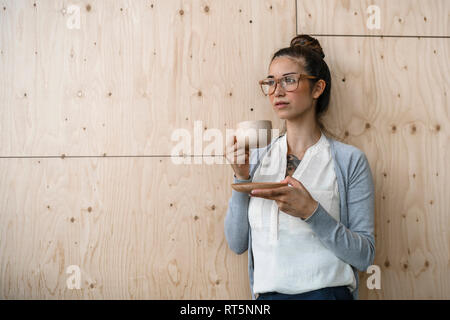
x,y
281,105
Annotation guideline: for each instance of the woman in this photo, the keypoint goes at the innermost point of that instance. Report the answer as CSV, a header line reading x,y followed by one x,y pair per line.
x,y
306,240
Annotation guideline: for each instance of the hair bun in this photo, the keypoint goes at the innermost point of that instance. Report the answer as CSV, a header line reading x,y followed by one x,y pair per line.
x,y
304,40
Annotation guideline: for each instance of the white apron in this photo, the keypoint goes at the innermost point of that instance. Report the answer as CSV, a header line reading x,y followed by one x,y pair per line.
x,y
273,169
288,256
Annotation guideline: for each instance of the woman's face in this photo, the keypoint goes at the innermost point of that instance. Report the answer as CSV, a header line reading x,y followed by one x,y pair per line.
x,y
299,101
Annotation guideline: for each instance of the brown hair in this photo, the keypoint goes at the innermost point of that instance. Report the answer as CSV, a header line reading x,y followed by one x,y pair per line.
x,y
306,49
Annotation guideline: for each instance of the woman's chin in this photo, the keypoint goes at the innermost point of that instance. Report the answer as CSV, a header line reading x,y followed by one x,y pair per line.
x,y
282,113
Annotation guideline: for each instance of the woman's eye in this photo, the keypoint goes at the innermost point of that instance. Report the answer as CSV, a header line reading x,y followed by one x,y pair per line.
x,y
289,80
270,83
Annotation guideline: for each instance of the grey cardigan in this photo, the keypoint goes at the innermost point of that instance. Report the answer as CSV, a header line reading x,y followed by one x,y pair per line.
x,y
351,239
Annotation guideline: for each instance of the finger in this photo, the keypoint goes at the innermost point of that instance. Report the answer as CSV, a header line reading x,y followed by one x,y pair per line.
x,y
229,149
240,151
243,155
228,144
274,192
241,158
235,147
232,148
235,154
233,158
241,147
276,198
231,153
230,140
236,159
230,158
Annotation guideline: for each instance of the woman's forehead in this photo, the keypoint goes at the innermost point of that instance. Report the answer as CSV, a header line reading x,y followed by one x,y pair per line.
x,y
283,65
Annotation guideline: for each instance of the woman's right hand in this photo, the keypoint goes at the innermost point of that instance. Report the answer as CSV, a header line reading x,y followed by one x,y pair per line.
x,y
238,156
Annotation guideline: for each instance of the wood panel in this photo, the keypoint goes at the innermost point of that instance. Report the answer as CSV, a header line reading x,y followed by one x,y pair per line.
x,y
143,227
133,73
394,105
390,98
397,18
381,85
120,85
132,225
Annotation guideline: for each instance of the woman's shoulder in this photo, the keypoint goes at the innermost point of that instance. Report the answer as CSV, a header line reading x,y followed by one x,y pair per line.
x,y
349,155
345,148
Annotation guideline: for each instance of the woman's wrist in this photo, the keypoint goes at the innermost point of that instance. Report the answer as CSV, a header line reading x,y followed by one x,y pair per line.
x,y
241,178
312,208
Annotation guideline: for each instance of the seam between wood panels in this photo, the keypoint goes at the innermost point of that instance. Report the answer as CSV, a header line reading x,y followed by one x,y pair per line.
x,y
376,35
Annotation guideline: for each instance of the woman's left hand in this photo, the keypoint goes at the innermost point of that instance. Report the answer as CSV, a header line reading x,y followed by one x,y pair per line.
x,y
295,200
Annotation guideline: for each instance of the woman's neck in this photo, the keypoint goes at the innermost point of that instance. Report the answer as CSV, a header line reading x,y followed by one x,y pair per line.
x,y
301,135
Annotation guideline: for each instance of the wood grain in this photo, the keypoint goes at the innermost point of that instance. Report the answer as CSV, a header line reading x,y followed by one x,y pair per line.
x,y
132,73
145,228
119,86
132,225
390,99
398,18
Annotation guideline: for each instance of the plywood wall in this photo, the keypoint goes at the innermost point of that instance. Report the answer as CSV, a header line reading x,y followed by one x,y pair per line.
x,y
391,99
86,123
87,115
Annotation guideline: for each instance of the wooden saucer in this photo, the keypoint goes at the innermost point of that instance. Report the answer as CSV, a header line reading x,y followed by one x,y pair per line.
x,y
249,186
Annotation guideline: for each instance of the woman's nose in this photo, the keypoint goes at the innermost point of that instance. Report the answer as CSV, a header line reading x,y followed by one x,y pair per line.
x,y
279,90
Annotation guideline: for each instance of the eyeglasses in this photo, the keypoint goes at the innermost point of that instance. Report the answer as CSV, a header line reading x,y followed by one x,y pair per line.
x,y
288,83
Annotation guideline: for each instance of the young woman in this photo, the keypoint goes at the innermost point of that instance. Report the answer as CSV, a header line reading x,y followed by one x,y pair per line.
x,y
306,240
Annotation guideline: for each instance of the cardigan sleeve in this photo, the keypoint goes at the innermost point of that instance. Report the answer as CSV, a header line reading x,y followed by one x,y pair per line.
x,y
236,220
354,245
236,224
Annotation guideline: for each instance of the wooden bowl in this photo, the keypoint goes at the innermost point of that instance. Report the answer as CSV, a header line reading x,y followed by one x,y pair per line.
x,y
247,187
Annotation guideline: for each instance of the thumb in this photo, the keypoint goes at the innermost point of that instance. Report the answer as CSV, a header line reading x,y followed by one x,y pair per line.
x,y
293,182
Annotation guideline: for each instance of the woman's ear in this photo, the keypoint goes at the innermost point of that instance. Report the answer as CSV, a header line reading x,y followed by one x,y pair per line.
x,y
319,87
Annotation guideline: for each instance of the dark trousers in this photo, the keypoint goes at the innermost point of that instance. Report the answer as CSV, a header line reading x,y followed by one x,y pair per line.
x,y
330,293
